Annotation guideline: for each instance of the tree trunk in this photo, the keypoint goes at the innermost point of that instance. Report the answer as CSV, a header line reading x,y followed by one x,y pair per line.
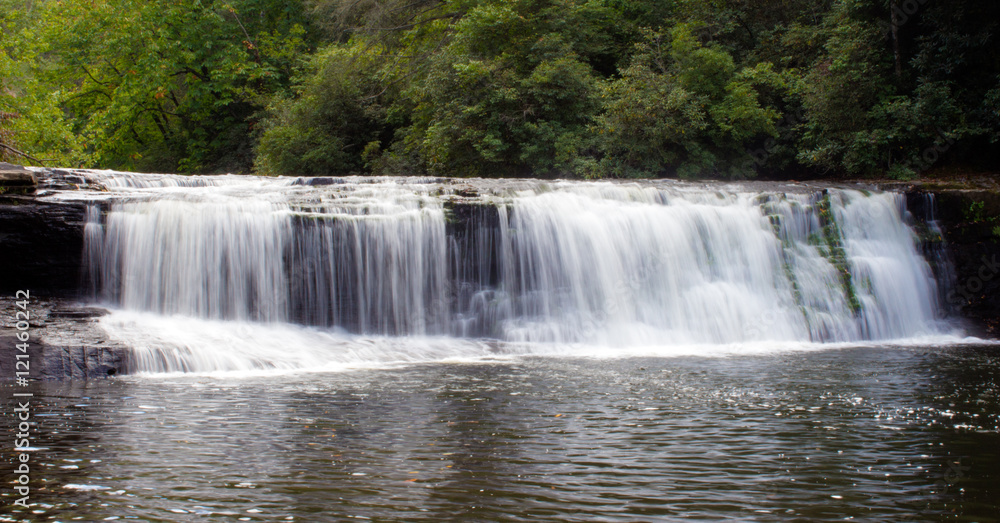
x,y
894,13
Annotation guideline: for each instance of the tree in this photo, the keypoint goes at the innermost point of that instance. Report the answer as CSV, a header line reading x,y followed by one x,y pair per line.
x,y
897,85
167,85
32,125
513,92
335,123
691,88
682,108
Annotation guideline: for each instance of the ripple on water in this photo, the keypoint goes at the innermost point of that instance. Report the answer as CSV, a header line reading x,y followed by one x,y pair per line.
x,y
871,433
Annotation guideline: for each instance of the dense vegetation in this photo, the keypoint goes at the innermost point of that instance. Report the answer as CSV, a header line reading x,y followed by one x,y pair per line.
x,y
591,88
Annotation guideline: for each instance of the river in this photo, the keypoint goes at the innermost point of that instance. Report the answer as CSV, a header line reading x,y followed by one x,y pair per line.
x,y
473,350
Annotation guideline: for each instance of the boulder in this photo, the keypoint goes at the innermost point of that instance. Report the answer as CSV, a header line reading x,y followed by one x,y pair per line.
x,y
319,181
16,176
64,343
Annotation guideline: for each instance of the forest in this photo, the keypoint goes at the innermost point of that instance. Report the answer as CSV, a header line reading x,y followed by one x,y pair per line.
x,y
722,89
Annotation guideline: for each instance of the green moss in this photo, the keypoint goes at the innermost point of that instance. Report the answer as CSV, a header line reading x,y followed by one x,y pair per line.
x,y
776,227
926,235
976,212
17,189
836,254
790,275
12,190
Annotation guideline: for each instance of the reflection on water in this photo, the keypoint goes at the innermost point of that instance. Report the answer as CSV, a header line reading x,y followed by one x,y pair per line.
x,y
873,434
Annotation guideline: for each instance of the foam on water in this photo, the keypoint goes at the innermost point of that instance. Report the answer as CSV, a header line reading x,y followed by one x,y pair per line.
x,y
172,344
167,345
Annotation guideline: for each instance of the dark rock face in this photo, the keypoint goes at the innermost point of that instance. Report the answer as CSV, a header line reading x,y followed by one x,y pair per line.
x,y
42,246
322,180
968,219
63,343
50,362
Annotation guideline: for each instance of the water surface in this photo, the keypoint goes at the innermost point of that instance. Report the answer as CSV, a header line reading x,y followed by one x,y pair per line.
x,y
869,433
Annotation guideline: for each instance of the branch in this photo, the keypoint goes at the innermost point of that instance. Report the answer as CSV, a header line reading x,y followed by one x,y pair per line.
x,y
96,81
200,76
745,26
92,91
454,15
24,154
250,43
414,70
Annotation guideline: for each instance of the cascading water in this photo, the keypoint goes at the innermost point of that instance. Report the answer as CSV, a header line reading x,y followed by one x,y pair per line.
x,y
211,259
212,267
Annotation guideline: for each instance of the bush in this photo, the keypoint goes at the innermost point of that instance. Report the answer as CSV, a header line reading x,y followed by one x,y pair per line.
x,y
337,116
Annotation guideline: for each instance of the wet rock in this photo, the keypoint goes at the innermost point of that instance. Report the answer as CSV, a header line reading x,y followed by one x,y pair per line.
x,y
42,246
969,220
64,342
319,181
11,175
15,179
82,313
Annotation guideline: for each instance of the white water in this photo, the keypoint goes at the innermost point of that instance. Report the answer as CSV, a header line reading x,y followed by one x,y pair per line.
x,y
393,271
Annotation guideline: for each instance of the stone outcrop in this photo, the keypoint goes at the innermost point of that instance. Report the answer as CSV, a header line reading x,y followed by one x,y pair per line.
x,y
13,175
42,245
64,342
970,220
15,179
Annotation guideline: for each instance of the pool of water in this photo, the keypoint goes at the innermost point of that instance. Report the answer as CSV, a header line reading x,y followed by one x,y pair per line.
x,y
871,433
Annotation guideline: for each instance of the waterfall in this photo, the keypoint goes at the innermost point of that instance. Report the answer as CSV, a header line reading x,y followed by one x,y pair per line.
x,y
597,263
381,273
216,259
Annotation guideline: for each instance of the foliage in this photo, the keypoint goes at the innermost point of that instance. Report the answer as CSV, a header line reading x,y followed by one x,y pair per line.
x,y
594,88
864,117
510,94
336,119
31,120
683,108
162,85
